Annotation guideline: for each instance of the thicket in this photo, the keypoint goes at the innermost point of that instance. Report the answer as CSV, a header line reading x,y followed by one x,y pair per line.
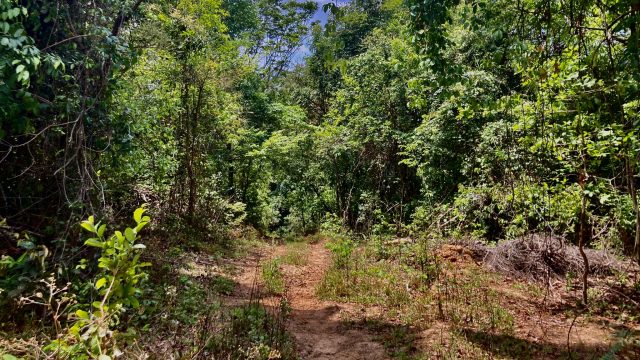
x,y
421,118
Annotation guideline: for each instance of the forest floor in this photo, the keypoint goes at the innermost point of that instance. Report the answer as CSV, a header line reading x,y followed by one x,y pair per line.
x,y
316,325
539,323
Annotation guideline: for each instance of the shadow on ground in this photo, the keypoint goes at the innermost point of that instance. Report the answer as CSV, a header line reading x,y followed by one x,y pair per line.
x,y
513,347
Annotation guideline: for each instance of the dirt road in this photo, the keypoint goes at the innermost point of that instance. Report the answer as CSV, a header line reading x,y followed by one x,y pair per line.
x,y
316,325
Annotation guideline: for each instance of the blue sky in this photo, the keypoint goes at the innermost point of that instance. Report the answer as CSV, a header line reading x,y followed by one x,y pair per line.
x,y
318,16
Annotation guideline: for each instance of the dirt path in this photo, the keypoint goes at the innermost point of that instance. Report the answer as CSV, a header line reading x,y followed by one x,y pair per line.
x,y
316,324
330,330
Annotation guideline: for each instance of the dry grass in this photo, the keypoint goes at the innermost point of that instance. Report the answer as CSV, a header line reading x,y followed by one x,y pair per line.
x,y
454,304
539,257
296,254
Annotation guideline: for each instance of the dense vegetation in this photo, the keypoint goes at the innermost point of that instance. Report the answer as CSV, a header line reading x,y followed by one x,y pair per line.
x,y
421,119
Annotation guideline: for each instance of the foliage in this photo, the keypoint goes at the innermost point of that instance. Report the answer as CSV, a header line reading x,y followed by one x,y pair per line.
x,y
58,62
416,119
20,60
296,254
341,249
20,276
254,333
272,277
283,26
92,332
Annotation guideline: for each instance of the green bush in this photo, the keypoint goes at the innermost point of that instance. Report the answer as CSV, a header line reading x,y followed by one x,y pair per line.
x,y
272,277
93,331
341,249
20,276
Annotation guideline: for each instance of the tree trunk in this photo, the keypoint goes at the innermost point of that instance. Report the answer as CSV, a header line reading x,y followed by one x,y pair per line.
x,y
230,173
192,189
583,221
635,8
634,199
585,273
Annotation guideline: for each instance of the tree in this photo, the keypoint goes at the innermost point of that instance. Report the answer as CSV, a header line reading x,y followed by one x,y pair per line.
x,y
58,61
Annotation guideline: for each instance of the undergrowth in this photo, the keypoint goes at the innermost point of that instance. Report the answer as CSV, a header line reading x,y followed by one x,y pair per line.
x,y
175,313
296,254
272,277
416,290
364,282
252,332
182,304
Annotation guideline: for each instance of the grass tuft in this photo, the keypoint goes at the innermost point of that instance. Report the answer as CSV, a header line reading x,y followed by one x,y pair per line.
x,y
296,254
272,277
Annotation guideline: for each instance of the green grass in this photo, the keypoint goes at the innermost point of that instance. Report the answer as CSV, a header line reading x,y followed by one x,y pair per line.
x,y
296,253
272,277
222,285
252,332
364,282
461,298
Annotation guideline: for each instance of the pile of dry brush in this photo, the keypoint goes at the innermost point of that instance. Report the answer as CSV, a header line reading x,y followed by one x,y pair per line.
x,y
541,257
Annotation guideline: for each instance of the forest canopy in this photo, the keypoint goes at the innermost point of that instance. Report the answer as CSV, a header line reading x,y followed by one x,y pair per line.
x,y
488,120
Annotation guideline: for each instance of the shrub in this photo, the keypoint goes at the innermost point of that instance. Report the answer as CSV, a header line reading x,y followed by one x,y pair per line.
x,y
341,248
93,331
272,277
21,275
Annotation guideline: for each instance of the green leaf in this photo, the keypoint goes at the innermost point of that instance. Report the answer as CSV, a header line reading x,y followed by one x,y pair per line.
x,y
140,226
129,234
137,215
23,76
9,357
88,226
101,229
19,68
100,283
139,246
82,314
94,242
